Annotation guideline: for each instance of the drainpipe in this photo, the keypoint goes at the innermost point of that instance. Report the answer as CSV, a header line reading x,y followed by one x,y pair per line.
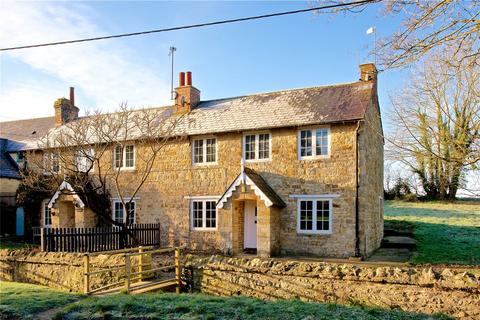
x,y
357,186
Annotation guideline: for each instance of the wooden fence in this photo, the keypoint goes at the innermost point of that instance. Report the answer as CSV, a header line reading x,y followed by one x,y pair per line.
x,y
99,239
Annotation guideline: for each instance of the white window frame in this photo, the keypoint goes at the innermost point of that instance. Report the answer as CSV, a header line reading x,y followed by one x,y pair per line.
x,y
124,210
314,143
124,157
204,151
257,146
314,215
79,155
204,200
48,162
44,214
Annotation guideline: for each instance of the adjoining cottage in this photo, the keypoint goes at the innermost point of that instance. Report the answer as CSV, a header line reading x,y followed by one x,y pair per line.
x,y
292,172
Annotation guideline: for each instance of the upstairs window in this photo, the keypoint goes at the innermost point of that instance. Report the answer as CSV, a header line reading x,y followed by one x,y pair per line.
x,y
203,214
84,160
204,151
314,216
124,157
119,214
51,162
257,146
314,143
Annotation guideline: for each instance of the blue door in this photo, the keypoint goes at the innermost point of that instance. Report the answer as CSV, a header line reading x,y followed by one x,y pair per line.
x,y
20,222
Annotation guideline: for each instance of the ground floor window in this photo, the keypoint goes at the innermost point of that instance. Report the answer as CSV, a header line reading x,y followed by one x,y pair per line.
x,y
314,215
203,214
119,214
47,215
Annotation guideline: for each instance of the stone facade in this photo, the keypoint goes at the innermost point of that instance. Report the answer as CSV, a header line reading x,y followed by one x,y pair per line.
x,y
175,181
420,290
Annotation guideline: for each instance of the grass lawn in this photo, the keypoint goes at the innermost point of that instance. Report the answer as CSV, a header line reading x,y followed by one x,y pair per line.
x,y
22,301
446,233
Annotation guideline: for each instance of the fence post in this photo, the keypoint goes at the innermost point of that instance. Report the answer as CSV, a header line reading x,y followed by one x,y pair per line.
x,y
86,274
140,268
127,273
177,270
42,238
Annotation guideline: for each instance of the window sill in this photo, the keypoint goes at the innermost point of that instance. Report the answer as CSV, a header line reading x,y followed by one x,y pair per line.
x,y
205,164
126,169
310,158
313,233
204,229
258,160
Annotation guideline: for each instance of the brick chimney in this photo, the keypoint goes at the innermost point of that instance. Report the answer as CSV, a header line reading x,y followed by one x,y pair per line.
x,y
368,72
65,109
187,96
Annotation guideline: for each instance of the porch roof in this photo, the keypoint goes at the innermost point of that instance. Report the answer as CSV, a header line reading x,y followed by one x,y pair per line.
x,y
261,188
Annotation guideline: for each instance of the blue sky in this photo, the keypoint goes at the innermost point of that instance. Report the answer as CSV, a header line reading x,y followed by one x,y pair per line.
x,y
228,60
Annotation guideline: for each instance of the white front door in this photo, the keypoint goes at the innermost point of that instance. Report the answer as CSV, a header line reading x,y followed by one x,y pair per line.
x,y
250,228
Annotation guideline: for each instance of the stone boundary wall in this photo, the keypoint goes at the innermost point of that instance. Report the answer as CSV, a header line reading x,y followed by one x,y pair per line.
x,y
62,271
420,290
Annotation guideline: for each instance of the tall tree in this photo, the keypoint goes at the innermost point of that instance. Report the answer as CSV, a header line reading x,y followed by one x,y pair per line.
x,y
436,121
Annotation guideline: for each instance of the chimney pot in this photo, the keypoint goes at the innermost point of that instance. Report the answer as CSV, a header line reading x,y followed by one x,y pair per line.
x,y
182,79
72,96
189,78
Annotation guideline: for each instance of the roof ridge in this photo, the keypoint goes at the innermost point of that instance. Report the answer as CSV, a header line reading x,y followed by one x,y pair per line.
x,y
28,119
286,90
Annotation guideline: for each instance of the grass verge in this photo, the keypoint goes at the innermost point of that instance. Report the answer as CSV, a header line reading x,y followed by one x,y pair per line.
x,y
23,300
198,306
446,233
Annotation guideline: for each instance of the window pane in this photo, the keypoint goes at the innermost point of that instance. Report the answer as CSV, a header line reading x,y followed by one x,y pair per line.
x,y
249,147
131,212
306,143
55,162
322,142
197,214
197,151
211,214
323,215
47,215
118,211
118,156
264,146
211,150
129,156
306,215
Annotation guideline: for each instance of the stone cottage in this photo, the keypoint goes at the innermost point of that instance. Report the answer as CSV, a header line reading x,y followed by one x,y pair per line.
x,y
292,172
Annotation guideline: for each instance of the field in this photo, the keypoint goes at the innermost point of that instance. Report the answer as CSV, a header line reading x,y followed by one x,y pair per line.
x,y
23,301
446,233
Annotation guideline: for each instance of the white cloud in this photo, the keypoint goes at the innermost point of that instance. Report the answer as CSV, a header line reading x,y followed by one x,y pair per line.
x,y
105,71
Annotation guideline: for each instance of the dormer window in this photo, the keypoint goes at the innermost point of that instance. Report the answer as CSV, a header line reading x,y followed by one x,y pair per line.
x,y
124,157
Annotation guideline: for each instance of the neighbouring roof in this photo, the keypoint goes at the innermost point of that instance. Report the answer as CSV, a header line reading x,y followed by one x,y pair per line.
x,y
259,186
8,168
287,108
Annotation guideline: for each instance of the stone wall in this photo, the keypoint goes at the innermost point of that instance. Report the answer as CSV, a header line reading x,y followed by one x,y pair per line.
x,y
62,271
420,290
370,198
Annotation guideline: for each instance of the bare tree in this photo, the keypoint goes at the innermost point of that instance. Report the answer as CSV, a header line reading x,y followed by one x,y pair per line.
x,y
426,25
436,122
97,153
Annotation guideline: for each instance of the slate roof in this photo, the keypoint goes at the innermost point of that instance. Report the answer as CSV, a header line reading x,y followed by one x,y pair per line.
x,y
295,107
8,168
265,188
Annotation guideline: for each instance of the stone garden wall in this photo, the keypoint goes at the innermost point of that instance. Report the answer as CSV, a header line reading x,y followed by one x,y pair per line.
x,y
62,271
420,290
